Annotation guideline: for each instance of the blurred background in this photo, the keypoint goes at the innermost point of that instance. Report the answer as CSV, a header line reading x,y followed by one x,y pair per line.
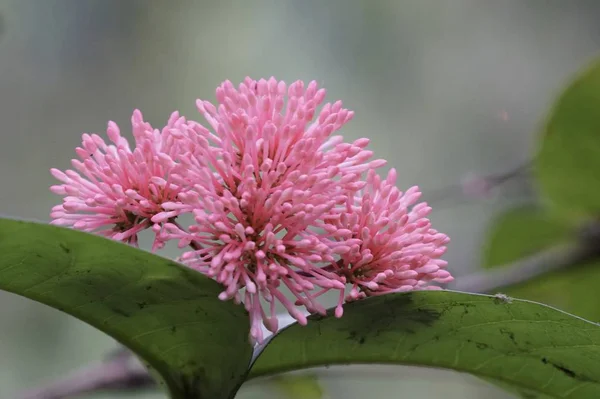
x,y
444,88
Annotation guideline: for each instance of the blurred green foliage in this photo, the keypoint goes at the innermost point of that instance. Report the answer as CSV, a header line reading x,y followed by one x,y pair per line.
x,y
302,386
567,172
567,165
520,232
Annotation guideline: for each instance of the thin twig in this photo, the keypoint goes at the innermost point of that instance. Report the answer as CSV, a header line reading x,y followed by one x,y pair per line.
x,y
586,246
523,270
194,245
456,193
119,372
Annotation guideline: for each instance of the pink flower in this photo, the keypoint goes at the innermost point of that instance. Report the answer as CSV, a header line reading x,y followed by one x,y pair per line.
x,y
115,191
262,184
278,202
399,251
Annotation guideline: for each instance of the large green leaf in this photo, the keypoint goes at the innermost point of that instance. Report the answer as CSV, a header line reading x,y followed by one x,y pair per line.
x,y
167,314
529,346
575,290
520,232
568,161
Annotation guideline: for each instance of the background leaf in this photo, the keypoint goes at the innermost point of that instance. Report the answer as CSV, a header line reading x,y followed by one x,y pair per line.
x,y
568,162
532,347
167,314
305,386
520,232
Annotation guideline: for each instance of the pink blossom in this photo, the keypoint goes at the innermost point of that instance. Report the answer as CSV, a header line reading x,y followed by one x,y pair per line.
x,y
399,251
114,190
279,203
263,181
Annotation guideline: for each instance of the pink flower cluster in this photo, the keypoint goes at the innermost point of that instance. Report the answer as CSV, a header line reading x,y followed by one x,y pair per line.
x,y
279,202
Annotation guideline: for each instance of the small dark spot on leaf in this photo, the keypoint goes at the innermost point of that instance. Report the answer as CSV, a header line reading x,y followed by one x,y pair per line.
x,y
120,312
479,345
414,348
148,287
565,370
173,330
191,384
362,340
509,334
375,316
64,248
317,317
568,372
142,305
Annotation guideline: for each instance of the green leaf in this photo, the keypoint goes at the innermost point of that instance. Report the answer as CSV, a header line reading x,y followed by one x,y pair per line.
x,y
167,314
518,391
520,232
575,290
529,346
568,162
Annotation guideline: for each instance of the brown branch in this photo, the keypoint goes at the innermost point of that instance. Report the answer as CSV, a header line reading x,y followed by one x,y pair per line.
x,y
523,270
586,246
119,372
456,194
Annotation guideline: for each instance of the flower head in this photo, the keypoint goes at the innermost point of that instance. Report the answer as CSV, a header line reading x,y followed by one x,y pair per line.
x,y
263,183
279,203
398,250
114,190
